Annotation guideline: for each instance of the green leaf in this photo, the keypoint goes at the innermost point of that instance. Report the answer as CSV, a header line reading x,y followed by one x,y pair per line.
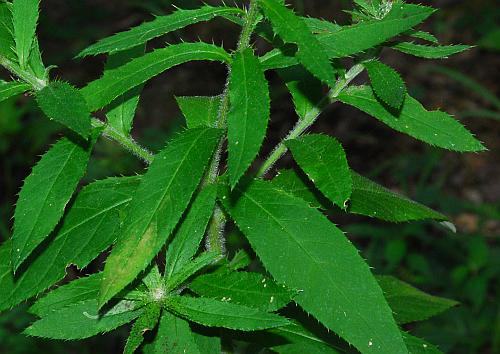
x,y
24,19
82,320
419,346
208,343
410,304
426,36
429,51
44,195
6,40
65,104
292,29
243,288
386,83
211,313
86,231
118,81
147,321
371,199
433,127
250,110
157,206
303,250
36,65
159,26
323,160
191,268
122,111
11,89
278,58
199,111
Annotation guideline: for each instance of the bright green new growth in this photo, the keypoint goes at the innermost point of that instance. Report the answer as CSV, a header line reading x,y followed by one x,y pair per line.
x,y
25,20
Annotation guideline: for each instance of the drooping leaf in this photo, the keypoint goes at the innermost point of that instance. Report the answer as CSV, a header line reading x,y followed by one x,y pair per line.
x,y
11,89
303,250
147,321
24,19
429,51
87,230
6,39
190,269
386,83
65,104
118,81
243,288
199,111
44,195
157,206
249,113
292,29
212,313
433,127
82,320
419,346
323,160
371,199
159,26
410,304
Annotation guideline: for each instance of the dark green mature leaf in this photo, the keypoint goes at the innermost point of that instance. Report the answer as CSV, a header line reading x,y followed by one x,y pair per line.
x,y
82,320
249,113
433,127
419,346
386,83
157,206
65,104
371,199
199,111
86,231
208,343
292,29
323,160
24,19
159,26
118,81
147,321
410,304
44,195
6,40
429,51
304,251
11,89
244,288
212,313
190,232
188,270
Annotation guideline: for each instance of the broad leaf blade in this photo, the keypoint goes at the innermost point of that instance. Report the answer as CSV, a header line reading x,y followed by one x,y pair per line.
x,y
429,51
249,114
147,321
304,251
386,83
157,206
24,19
199,111
11,89
433,127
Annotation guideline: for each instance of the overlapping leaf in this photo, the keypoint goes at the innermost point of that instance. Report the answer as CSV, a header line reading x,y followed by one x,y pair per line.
x,y
147,321
25,20
199,111
6,40
188,270
386,83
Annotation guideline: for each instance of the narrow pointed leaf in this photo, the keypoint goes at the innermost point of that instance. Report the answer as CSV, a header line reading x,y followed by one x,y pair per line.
x,y
191,268
429,51
11,89
147,321
303,250
6,40
386,83
249,114
24,19
419,346
159,26
157,206
323,160
212,313
426,36
65,104
433,127
35,63
118,81
199,111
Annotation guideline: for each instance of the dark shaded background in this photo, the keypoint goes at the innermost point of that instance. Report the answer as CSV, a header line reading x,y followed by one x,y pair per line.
x,y
464,266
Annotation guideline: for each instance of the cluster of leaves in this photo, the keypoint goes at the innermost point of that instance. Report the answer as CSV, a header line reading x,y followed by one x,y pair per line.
x,y
158,275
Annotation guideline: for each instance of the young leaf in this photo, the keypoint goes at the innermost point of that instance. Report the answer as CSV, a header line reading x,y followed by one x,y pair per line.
x,y
24,19
419,346
11,89
303,250
65,104
429,51
410,304
249,113
147,321
433,127
243,288
292,29
211,313
371,199
6,40
159,26
199,111
82,320
157,206
386,82
118,81
87,230
191,268
323,159
44,195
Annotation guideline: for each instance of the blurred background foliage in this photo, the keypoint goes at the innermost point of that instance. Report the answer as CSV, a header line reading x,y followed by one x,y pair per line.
x,y
464,266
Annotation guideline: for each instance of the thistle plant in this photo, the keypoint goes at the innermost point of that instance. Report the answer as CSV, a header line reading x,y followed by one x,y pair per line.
x,y
303,287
